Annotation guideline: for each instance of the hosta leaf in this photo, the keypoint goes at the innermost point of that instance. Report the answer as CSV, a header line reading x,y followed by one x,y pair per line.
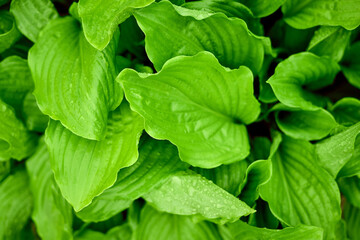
x,y
334,152
9,34
263,8
172,31
296,76
263,217
188,193
15,81
157,161
182,104
5,167
301,192
15,204
35,120
74,82
352,167
350,188
156,225
32,16
101,18
347,111
228,177
352,219
307,125
85,168
52,214
330,41
240,230
308,13
351,65
15,141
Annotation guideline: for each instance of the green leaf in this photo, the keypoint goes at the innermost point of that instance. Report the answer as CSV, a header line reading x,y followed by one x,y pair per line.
x,y
347,111
156,225
52,214
351,65
352,219
188,193
122,232
263,217
266,94
263,8
172,31
350,188
298,75
307,125
3,2
330,41
9,34
101,18
32,16
308,13
334,152
352,167
15,81
5,167
89,234
182,104
240,230
301,192
15,141
85,168
74,82
157,161
231,8
35,120
15,204
228,177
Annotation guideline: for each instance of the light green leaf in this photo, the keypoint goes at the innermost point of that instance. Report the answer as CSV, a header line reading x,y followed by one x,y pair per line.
x,y
85,168
262,8
266,94
15,81
350,188
307,125
101,18
74,82
172,31
334,152
228,177
32,16
351,65
52,214
298,75
347,111
9,34
330,41
188,193
308,13
15,204
122,232
182,104
352,219
35,120
15,141
352,167
156,225
89,234
301,192
231,8
240,230
157,161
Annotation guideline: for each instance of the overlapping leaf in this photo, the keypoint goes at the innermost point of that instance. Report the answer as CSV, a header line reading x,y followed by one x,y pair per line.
x,y
351,65
9,34
263,8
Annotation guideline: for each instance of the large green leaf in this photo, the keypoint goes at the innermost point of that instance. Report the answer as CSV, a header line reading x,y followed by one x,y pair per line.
x,y
5,167
352,219
182,104
156,225
351,65
157,161
301,192
242,231
15,81
32,16
74,82
350,188
334,152
15,204
35,120
9,34
52,214
330,41
308,13
352,167
347,111
85,168
172,31
15,140
101,18
263,8
188,193
298,75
